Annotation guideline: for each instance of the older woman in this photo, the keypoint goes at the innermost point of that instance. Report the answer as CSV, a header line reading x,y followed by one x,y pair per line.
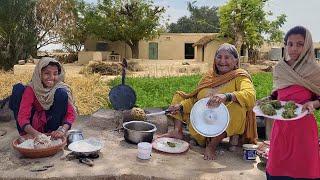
x,y
225,83
294,146
45,105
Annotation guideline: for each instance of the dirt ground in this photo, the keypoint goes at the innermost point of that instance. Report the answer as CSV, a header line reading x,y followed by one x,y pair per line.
x,y
118,159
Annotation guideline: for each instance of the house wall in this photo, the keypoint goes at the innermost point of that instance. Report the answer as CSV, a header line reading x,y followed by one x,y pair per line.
x,y
210,50
171,45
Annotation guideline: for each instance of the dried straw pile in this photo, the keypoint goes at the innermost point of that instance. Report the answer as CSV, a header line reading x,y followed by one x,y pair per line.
x,y
103,68
90,92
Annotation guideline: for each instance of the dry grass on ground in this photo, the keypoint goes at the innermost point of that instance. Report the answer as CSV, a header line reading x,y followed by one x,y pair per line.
x,y
89,91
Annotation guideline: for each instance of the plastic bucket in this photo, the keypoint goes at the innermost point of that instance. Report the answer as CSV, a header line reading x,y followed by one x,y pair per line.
x,y
249,152
144,150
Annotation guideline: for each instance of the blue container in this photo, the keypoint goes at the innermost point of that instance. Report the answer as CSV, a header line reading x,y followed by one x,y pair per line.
x,y
249,152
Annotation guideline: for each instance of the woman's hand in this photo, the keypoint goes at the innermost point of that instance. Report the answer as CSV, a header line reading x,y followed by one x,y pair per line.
x,y
309,106
216,100
174,109
42,139
60,132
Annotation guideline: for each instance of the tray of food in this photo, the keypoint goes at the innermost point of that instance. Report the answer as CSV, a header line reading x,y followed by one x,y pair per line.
x,y
279,110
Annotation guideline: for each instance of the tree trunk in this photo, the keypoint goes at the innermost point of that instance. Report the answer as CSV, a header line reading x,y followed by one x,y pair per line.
x,y
238,42
134,49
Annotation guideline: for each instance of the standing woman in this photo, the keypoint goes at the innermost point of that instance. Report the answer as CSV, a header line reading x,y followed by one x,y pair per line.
x,y
294,147
45,105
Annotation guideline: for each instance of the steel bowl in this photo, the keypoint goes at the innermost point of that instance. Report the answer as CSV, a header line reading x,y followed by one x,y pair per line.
x,y
138,131
74,135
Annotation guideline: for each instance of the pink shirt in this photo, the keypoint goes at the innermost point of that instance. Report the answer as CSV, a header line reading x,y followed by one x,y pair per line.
x,y
39,119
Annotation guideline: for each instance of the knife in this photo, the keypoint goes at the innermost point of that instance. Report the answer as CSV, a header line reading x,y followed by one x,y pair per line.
x,y
158,113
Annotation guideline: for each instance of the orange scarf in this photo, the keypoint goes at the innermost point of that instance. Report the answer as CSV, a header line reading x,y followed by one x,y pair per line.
x,y
212,80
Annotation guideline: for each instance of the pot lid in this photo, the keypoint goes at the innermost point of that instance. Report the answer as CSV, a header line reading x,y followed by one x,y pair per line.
x,y
209,122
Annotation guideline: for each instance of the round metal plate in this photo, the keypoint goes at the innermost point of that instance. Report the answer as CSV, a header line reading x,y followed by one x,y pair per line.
x,y
86,146
161,144
209,122
278,116
122,97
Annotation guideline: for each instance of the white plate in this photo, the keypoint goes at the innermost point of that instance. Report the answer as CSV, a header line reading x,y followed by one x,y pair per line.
x,y
86,146
160,144
278,116
209,122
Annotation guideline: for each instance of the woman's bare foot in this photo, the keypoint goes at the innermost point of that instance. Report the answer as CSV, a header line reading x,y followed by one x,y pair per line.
x,y
211,144
173,134
209,153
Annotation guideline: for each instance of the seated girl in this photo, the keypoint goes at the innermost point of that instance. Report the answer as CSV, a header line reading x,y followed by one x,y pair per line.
x,y
45,105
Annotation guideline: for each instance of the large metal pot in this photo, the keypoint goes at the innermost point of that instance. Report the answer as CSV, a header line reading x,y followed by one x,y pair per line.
x,y
138,131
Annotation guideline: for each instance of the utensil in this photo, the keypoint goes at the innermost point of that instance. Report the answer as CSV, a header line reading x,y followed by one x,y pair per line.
x,y
138,131
278,116
74,135
122,97
86,146
158,113
209,122
179,146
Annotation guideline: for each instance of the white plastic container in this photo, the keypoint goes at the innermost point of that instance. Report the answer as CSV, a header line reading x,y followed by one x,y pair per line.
x,y
144,150
249,152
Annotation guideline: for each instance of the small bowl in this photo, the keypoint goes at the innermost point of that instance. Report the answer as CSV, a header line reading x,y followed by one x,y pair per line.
x,y
38,153
138,131
74,135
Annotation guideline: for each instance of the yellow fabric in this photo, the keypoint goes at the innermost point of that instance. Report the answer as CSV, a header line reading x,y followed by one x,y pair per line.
x,y
243,89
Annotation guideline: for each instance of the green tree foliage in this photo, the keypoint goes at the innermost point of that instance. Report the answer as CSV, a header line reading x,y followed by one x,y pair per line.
x,y
129,21
245,22
27,25
74,35
17,32
202,20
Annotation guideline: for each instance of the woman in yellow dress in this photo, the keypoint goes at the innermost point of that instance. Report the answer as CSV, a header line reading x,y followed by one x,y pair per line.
x,y
225,83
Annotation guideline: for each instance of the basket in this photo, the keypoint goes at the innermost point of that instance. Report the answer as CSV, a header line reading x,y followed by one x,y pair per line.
x,y
38,153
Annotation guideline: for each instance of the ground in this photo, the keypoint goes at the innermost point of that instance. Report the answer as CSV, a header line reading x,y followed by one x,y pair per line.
x,y
118,159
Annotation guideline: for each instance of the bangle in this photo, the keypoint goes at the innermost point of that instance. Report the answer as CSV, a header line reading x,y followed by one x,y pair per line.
x,y
181,109
61,129
228,96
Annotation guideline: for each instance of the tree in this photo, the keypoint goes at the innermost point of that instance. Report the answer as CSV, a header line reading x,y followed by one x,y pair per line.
x,y
202,20
17,32
245,22
129,21
52,17
74,35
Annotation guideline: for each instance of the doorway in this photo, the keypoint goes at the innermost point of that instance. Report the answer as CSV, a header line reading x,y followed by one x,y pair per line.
x,y
188,51
153,50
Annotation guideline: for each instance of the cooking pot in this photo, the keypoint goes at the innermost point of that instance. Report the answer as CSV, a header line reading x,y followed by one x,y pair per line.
x,y
138,131
122,97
